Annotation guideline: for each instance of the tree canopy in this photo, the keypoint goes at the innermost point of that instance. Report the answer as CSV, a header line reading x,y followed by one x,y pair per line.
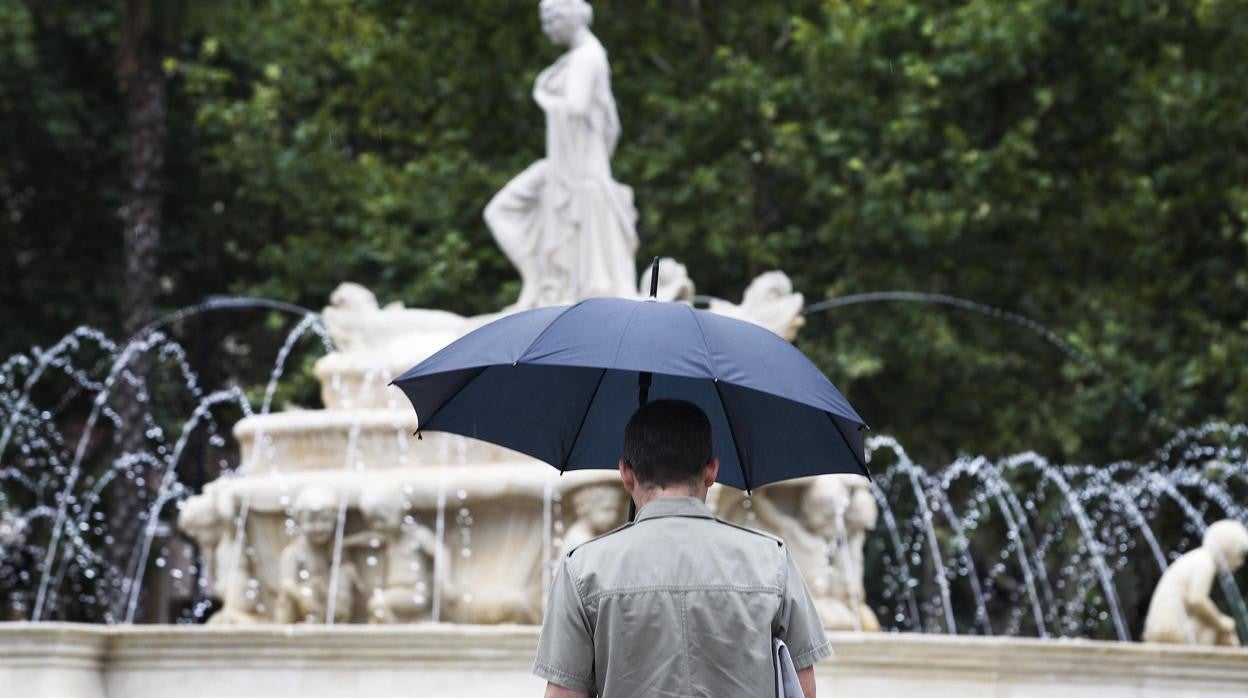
x,y
1079,164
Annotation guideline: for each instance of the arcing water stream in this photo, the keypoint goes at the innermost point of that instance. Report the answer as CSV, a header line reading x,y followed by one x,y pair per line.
x,y
1015,546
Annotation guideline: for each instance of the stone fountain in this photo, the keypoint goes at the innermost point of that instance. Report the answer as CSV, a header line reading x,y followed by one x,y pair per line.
x,y
340,515
346,556
472,524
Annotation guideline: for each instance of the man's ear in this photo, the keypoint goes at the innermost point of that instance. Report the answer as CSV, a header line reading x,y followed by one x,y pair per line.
x,y
710,472
627,476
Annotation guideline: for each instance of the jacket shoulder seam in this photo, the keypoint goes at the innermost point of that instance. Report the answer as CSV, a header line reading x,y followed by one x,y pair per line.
x,y
775,539
578,546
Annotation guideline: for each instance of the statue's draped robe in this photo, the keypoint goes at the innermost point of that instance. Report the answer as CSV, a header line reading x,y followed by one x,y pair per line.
x,y
568,226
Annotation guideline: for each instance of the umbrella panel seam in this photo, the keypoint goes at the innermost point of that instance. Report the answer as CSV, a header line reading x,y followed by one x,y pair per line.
x,y
420,423
710,356
619,346
732,434
542,334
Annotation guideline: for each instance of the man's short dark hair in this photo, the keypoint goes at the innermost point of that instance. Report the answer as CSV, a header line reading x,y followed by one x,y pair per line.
x,y
667,442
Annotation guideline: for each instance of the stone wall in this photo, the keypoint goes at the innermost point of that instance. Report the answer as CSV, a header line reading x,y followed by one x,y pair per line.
x,y
432,661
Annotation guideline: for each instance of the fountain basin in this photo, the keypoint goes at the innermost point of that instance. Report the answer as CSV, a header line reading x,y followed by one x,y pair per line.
x,y
435,660
309,440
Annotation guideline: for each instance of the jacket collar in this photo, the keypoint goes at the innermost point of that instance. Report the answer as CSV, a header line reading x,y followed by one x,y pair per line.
x,y
674,506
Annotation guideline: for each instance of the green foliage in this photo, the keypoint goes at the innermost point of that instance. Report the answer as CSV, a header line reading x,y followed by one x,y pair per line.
x,y
1078,163
60,127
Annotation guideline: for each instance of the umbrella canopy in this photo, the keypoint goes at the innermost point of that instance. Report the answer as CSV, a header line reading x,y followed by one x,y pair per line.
x,y
560,383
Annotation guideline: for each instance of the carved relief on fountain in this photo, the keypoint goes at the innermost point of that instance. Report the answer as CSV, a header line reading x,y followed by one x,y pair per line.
x,y
597,508
370,540
824,522
307,591
229,562
401,555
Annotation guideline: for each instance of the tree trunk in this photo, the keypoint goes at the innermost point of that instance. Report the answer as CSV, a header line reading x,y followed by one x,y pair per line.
x,y
145,126
143,81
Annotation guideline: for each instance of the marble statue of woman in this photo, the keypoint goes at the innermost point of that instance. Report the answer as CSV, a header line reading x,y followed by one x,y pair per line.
x,y
570,228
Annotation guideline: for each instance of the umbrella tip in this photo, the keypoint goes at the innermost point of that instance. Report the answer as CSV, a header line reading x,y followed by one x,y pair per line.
x,y
654,278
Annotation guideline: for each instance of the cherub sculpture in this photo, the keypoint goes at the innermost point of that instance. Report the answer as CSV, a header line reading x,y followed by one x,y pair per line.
x,y
357,323
306,564
769,301
1181,611
209,519
406,550
599,508
826,539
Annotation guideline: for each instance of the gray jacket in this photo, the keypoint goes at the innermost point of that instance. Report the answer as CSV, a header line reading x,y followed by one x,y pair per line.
x,y
677,603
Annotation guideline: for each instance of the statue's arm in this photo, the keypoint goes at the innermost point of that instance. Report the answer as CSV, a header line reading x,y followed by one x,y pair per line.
x,y
355,582
450,590
1196,596
583,73
287,571
364,539
425,538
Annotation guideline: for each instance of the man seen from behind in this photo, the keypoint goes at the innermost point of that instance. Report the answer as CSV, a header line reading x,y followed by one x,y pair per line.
x,y
676,603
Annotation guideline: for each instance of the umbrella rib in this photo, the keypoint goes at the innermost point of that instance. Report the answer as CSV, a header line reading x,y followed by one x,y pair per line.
x,y
847,411
710,358
420,423
615,360
852,451
584,418
732,434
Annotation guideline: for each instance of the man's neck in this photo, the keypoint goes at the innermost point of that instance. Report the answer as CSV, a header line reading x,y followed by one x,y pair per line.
x,y
643,496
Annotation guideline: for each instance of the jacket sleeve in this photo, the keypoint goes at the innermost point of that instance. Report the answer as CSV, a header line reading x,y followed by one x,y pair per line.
x,y
565,649
797,621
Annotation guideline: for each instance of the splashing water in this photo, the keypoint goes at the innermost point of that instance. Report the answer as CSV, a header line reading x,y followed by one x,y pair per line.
x,y
1015,514
56,472
1015,546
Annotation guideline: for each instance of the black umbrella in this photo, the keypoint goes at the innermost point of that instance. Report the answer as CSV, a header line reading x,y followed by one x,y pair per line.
x,y
559,384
